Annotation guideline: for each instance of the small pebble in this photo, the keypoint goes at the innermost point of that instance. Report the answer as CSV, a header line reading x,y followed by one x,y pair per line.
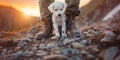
x,y
18,54
28,53
75,51
17,48
55,57
84,42
42,46
51,45
34,48
78,45
41,53
67,51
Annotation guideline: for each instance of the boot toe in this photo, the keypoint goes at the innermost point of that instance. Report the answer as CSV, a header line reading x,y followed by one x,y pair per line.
x,y
77,34
42,36
39,36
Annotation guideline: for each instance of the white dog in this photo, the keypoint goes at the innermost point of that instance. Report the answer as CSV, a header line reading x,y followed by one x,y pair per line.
x,y
57,8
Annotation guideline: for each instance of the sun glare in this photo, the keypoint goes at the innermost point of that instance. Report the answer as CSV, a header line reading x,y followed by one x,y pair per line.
x,y
32,12
84,2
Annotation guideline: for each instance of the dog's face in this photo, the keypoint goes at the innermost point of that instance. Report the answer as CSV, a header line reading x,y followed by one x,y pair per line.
x,y
57,8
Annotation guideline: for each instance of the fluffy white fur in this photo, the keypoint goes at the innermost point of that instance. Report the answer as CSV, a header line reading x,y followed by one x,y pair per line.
x,y
57,8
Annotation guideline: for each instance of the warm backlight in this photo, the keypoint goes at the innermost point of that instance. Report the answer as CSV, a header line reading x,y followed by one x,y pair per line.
x,y
30,7
32,12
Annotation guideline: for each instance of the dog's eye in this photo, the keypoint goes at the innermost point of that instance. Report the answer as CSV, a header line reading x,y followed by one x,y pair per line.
x,y
55,9
61,9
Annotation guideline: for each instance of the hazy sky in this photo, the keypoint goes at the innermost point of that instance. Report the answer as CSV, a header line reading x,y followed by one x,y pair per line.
x,y
30,7
23,5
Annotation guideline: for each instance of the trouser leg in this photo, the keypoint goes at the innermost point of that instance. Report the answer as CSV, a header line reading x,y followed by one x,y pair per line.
x,y
71,12
46,18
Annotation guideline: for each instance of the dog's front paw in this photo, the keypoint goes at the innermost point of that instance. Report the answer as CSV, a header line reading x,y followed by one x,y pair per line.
x,y
55,37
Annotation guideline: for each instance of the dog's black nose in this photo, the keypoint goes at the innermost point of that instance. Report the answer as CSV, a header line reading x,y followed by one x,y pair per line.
x,y
59,14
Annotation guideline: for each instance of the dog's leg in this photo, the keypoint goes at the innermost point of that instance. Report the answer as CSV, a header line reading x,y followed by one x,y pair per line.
x,y
57,34
64,35
55,25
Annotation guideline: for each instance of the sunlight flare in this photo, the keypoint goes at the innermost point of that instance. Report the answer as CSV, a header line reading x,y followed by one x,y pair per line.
x,y
29,11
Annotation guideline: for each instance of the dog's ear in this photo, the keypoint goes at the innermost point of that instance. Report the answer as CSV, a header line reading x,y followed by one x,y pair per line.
x,y
64,6
51,7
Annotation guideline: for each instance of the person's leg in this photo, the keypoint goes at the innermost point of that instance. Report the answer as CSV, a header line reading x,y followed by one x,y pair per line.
x,y
71,12
46,18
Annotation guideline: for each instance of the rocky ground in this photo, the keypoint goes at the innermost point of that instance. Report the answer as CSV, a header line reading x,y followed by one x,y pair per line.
x,y
99,41
68,49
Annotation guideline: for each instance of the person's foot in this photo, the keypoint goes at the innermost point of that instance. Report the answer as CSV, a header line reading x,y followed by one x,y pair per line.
x,y
74,31
76,34
47,31
41,36
72,27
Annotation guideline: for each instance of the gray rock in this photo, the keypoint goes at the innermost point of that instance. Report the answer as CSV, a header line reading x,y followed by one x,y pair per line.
x,y
84,42
93,49
4,51
29,35
1,47
55,57
67,51
70,58
75,51
90,57
109,37
35,45
42,46
118,37
28,53
17,48
27,48
18,54
69,40
77,58
34,49
41,53
38,59
9,51
77,45
83,52
22,43
31,59
55,50
25,39
51,45
91,31
111,53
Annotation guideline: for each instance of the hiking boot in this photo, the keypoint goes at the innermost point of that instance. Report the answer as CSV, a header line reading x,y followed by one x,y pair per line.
x,y
72,28
47,31
46,17
71,12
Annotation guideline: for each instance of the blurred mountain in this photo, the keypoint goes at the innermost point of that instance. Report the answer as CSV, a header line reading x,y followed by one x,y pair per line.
x,y
95,10
12,19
